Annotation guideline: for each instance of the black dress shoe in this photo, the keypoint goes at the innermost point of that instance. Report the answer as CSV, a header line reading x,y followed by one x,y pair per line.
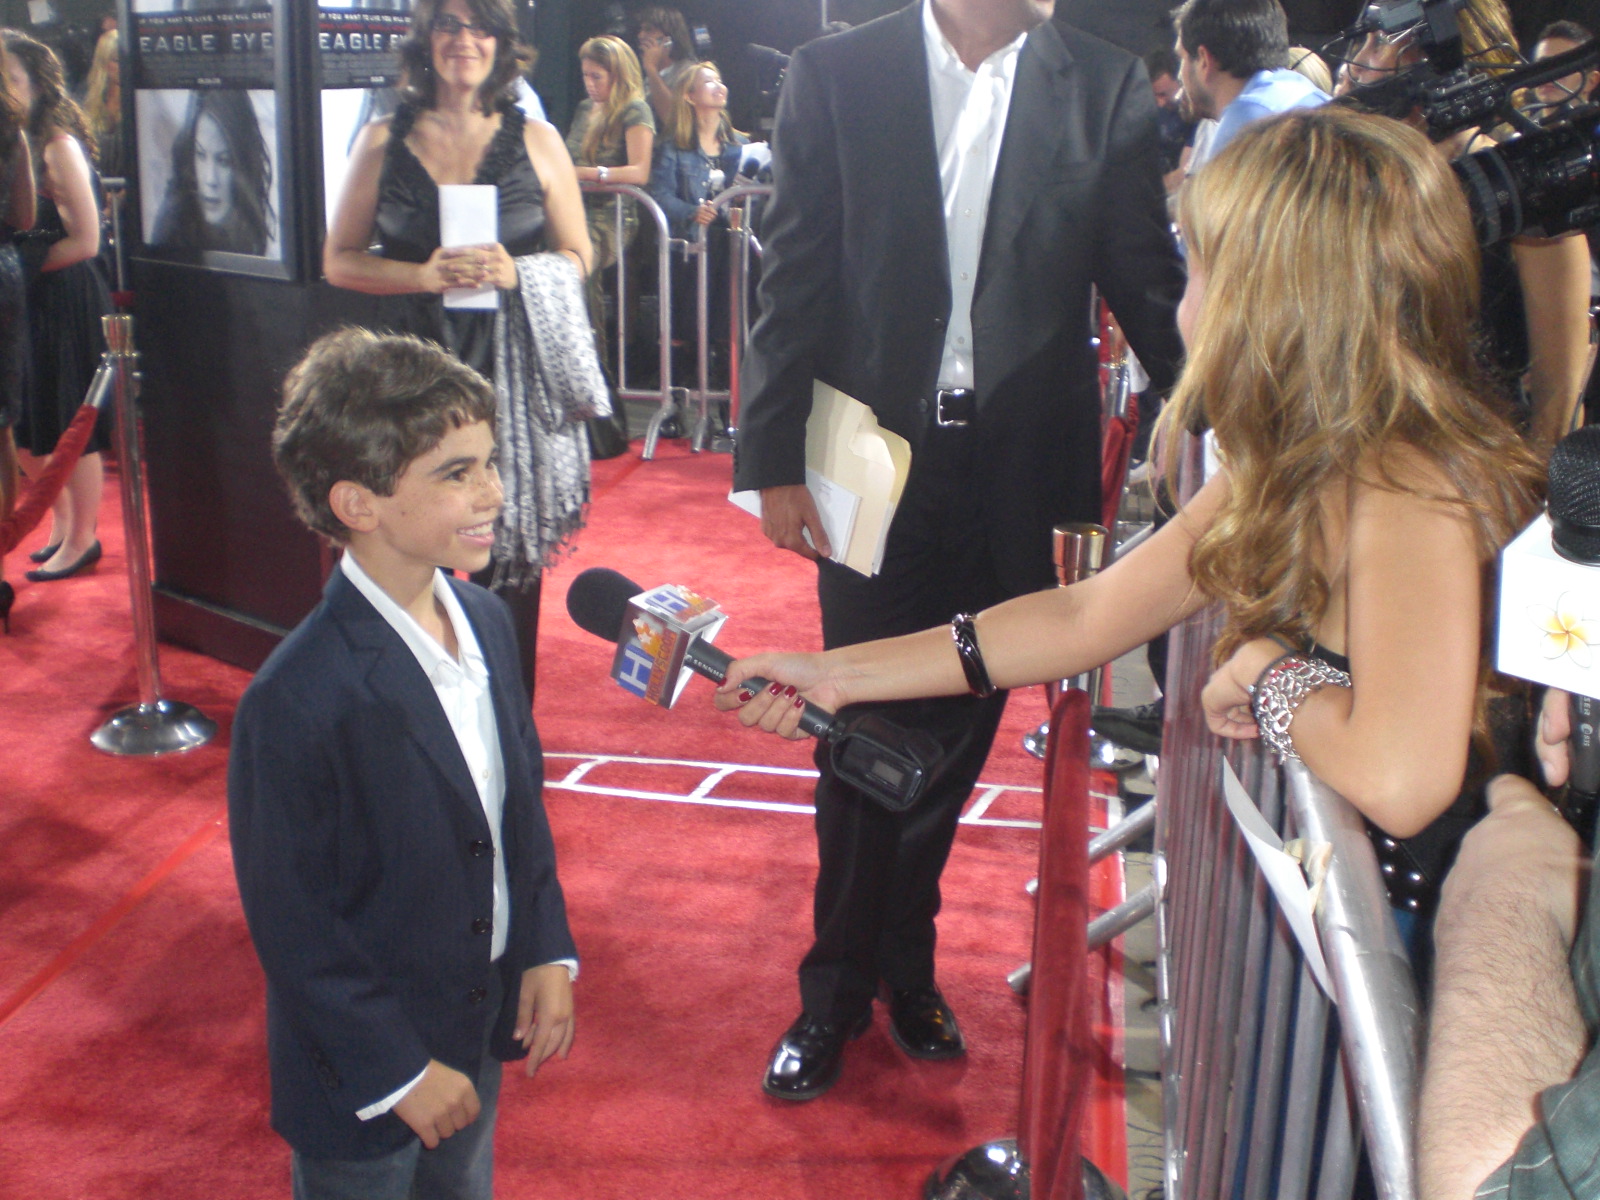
x,y
806,1060
923,1025
87,559
44,553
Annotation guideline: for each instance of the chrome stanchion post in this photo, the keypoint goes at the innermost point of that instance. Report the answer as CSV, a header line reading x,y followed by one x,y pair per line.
x,y
1079,550
154,725
738,285
702,337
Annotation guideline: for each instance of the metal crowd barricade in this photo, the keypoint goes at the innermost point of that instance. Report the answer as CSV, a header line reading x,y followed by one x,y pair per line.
x,y
662,394
1267,1087
743,247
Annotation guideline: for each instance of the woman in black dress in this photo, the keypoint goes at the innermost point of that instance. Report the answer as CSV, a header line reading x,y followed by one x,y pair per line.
x,y
457,124
67,297
16,194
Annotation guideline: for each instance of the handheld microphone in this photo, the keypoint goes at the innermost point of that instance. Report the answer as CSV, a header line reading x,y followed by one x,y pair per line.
x,y
891,765
1549,605
1575,534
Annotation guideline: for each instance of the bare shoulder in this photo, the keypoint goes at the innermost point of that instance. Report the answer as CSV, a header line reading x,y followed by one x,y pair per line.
x,y
1403,488
544,142
372,137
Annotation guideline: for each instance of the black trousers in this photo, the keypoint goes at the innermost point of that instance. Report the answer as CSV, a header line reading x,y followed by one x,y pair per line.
x,y
877,891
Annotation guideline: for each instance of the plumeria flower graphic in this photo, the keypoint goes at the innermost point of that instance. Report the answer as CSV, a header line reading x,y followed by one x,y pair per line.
x,y
1566,631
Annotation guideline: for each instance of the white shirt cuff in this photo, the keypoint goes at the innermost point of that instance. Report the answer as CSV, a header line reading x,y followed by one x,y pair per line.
x,y
389,1101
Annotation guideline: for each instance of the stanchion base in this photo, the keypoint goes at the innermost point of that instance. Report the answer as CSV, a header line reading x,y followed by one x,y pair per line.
x,y
1111,757
165,727
995,1171
992,1171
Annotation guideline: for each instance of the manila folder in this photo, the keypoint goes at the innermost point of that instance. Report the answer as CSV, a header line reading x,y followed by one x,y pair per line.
x,y
846,446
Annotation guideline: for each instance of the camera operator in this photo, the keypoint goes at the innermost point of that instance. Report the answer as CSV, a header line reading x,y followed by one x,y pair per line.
x,y
1557,99
1536,292
1511,1097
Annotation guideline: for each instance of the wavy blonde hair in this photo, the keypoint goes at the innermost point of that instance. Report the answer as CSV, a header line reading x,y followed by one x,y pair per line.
x,y
615,57
685,121
1335,345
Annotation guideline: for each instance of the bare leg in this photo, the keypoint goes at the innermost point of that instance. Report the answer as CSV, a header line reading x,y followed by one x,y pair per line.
x,y
1505,1023
78,511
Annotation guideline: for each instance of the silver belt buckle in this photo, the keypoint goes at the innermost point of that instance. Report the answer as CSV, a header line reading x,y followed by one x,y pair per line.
x,y
958,398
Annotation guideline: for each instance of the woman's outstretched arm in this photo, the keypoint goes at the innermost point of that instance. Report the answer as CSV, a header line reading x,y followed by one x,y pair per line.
x,y
1048,635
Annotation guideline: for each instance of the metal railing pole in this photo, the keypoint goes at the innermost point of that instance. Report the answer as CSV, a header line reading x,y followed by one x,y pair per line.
x,y
738,303
154,725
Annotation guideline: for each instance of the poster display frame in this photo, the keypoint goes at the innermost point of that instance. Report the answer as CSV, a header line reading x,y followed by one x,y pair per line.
x,y
158,84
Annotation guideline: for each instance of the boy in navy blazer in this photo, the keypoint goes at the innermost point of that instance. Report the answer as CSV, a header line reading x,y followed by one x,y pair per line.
x,y
393,856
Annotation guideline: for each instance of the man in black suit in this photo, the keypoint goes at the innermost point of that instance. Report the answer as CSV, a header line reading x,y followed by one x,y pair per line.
x,y
951,179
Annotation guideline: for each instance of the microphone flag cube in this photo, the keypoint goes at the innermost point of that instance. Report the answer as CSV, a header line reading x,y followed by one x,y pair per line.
x,y
656,633
1549,618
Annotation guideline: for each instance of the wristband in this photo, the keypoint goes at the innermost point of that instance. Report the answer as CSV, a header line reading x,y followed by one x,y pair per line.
x,y
964,632
1281,689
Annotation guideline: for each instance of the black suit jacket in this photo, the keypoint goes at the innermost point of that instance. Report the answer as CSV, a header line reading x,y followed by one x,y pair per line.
x,y
856,290
365,864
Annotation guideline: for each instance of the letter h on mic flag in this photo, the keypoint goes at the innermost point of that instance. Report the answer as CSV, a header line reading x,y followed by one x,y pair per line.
x,y
656,633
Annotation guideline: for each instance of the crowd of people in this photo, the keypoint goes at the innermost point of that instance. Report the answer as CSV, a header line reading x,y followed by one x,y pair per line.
x,y
1302,284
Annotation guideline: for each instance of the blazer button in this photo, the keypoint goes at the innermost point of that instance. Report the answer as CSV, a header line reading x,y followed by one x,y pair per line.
x,y
477,995
922,407
477,847
482,925
938,322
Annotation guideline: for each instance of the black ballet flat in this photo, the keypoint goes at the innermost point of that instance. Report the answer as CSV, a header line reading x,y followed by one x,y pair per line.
x,y
44,553
8,596
87,560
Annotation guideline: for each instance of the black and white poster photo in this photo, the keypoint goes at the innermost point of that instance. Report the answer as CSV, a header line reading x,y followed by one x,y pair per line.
x,y
208,171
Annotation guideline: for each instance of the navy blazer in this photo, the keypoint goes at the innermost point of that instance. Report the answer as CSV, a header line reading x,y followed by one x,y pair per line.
x,y
855,286
366,867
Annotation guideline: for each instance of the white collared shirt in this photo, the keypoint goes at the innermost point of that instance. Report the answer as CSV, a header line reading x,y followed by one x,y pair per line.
x,y
462,685
969,121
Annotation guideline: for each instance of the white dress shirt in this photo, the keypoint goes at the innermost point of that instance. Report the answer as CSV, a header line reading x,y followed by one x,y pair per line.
x,y
969,122
462,686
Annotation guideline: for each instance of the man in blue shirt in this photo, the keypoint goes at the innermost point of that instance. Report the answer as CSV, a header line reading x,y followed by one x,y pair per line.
x,y
1231,56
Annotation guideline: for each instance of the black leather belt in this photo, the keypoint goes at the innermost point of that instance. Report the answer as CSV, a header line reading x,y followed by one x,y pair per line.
x,y
955,406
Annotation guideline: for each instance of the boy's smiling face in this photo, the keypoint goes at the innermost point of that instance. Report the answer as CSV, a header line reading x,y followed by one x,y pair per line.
x,y
443,508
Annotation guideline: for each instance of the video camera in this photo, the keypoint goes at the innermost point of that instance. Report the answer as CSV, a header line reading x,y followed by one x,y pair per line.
x,y
1543,182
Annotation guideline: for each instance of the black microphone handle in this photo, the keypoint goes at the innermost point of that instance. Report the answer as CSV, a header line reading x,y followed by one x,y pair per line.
x,y
1584,775
704,658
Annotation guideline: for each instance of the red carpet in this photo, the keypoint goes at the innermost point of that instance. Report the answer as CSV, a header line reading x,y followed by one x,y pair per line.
x,y
131,1005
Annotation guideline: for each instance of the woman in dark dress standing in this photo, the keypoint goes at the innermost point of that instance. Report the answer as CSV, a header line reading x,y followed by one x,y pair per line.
x,y
67,297
457,124
16,197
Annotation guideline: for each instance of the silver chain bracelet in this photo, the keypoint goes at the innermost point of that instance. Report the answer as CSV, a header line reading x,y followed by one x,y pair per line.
x,y
1282,688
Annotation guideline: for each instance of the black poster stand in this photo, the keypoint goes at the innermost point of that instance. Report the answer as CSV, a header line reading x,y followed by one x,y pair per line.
x,y
222,312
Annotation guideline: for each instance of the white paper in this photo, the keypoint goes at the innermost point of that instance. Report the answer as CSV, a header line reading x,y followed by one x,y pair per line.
x,y
1282,873
469,215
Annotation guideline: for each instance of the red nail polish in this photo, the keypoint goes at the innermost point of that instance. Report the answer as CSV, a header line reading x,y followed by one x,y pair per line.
x,y
746,696
789,691
776,689
799,701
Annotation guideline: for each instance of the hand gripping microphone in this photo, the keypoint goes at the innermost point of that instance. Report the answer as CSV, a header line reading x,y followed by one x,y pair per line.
x,y
1550,610
660,631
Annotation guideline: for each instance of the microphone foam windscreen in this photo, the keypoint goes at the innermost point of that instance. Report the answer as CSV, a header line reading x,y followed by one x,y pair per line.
x,y
598,599
1575,495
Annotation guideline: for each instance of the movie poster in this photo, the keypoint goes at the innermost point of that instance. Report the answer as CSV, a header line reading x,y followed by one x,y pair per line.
x,y
358,47
211,187
208,173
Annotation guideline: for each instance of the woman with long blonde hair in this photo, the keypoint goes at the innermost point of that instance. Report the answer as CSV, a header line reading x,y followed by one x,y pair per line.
x,y
1368,478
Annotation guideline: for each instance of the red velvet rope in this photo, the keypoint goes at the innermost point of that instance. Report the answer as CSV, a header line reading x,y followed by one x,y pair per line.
x,y
42,492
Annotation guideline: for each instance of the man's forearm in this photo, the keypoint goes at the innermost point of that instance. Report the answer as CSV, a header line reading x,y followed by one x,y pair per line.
x,y
1504,1027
